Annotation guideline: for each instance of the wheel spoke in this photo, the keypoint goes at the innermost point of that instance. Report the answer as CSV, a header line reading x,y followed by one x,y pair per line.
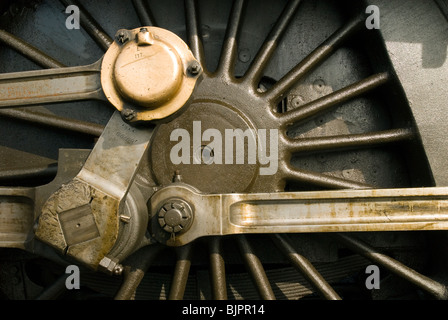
x,y
255,269
91,26
134,270
44,119
336,98
50,86
181,271
193,34
29,51
348,141
253,75
54,290
50,120
433,287
321,180
304,212
229,49
26,173
144,13
305,268
276,93
217,270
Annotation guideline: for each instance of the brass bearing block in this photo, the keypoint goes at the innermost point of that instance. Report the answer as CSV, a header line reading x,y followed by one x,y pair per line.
x,y
148,74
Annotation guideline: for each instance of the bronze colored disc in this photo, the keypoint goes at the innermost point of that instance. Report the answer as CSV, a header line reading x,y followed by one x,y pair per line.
x,y
148,75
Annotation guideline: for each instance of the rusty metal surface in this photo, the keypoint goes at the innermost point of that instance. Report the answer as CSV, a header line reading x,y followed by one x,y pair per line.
x,y
331,211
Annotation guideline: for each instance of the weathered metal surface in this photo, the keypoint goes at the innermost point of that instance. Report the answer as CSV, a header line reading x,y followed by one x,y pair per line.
x,y
253,100
91,25
16,216
435,288
147,73
415,34
94,200
50,86
53,121
289,212
29,51
116,156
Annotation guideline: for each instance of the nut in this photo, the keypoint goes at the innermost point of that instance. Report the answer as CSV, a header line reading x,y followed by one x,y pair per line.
x,y
110,266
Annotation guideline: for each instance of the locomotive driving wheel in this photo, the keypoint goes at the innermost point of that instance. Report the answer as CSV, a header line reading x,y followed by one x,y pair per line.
x,y
171,148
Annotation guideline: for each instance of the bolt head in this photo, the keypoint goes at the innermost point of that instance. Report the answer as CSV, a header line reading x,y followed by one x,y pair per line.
x,y
122,36
118,270
175,216
128,114
110,266
194,69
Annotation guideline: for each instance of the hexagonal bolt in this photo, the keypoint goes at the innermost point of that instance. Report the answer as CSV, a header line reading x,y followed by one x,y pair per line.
x,y
111,266
175,216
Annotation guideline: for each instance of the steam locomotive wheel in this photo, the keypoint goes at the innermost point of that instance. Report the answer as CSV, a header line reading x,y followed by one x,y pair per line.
x,y
310,72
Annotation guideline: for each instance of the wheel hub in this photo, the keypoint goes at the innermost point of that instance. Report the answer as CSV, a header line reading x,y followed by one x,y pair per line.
x,y
198,145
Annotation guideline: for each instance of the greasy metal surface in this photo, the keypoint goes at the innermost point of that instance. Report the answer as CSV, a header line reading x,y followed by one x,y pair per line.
x,y
116,156
358,123
90,25
104,211
16,216
331,211
50,86
101,187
